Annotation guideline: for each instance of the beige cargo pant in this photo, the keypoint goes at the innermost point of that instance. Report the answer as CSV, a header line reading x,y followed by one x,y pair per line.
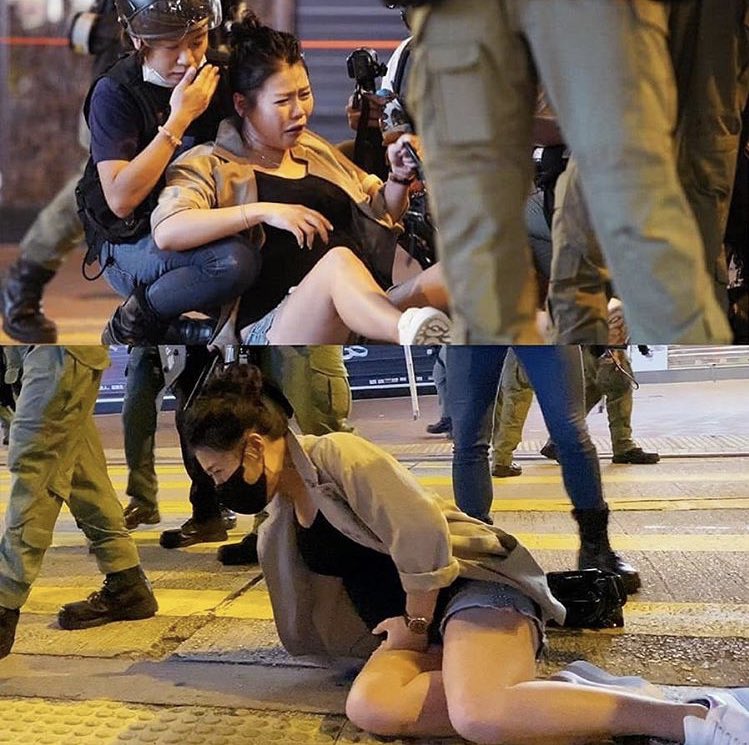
x,y
606,68
56,456
712,72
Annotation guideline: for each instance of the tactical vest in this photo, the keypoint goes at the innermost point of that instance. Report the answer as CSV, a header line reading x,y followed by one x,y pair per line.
x,y
99,222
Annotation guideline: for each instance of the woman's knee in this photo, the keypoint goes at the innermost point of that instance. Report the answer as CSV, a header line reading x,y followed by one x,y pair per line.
x,y
375,713
339,257
235,260
479,720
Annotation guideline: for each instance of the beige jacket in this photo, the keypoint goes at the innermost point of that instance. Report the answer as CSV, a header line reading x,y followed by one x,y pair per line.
x,y
367,495
221,174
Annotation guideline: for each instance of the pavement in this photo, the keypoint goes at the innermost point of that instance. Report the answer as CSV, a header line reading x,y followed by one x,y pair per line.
x,y
209,667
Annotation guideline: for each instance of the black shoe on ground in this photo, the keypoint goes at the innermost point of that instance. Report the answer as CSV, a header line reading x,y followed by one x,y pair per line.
x,y
237,554
596,551
636,455
549,450
191,533
229,518
443,427
125,596
8,623
23,319
501,471
137,513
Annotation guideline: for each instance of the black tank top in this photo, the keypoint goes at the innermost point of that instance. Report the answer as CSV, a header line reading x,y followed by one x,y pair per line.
x,y
284,264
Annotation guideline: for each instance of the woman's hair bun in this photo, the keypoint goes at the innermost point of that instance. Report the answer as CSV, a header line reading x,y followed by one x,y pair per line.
x,y
244,381
245,30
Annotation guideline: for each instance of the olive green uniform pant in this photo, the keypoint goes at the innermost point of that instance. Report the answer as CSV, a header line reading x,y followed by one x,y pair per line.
x,y
619,399
514,399
57,230
515,396
606,68
709,45
315,380
55,456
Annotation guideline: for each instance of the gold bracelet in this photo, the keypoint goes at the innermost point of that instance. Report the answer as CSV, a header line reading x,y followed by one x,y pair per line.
x,y
173,139
244,217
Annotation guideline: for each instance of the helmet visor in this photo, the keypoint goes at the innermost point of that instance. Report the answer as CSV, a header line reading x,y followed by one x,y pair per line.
x,y
172,19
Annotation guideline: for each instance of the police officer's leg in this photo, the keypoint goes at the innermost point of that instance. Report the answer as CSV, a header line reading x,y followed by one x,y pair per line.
x,y
472,87
315,381
51,237
592,393
514,398
577,290
555,372
617,386
144,386
126,593
32,461
618,115
711,59
207,523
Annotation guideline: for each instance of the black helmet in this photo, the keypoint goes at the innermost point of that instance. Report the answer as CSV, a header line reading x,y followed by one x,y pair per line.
x,y
166,19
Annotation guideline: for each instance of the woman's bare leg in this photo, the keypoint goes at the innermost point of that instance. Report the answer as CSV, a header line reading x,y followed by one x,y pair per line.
x,y
400,693
338,296
501,703
425,288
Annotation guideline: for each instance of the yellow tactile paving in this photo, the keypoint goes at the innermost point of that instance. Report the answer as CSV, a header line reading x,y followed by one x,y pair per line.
x,y
47,722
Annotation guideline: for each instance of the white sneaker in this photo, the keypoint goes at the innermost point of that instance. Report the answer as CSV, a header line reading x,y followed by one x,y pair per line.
x,y
585,673
727,721
423,326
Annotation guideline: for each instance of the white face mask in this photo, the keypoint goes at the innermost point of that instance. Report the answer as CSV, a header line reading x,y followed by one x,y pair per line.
x,y
152,76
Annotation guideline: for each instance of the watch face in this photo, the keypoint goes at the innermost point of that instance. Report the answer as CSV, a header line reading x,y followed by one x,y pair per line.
x,y
418,625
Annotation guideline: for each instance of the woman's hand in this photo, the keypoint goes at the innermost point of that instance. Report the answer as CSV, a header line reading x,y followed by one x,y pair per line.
x,y
399,636
402,165
303,222
191,96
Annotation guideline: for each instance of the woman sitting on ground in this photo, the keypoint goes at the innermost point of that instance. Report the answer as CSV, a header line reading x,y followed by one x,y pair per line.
x,y
456,608
327,229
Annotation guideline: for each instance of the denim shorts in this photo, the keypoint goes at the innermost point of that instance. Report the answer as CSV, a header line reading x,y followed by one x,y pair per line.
x,y
256,334
471,593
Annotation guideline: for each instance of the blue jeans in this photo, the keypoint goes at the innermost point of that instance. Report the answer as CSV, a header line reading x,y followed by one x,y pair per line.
x,y
555,372
200,279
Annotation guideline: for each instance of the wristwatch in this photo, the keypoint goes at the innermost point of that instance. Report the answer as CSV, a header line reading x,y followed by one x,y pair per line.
x,y
417,624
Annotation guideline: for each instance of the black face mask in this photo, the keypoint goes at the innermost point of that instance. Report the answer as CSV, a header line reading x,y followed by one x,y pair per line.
x,y
239,496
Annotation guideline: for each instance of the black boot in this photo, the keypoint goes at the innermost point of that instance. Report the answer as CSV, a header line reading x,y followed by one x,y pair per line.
x,y
23,319
125,596
596,551
236,554
8,623
134,322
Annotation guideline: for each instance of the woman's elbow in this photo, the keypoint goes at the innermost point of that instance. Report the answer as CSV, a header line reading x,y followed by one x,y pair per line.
x,y
163,238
